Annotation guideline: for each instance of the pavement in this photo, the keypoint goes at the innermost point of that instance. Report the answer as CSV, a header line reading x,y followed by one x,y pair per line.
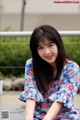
x,y
9,102
12,106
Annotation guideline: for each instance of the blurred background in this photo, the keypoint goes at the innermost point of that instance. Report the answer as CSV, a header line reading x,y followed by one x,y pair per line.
x,y
25,15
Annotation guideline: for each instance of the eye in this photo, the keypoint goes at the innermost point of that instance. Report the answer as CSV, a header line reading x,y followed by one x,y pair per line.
x,y
40,47
50,44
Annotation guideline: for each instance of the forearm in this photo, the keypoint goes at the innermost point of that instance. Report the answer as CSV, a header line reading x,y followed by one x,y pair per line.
x,y
53,111
30,106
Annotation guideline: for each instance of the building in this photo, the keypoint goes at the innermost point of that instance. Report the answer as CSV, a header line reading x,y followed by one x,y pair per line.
x,y
62,14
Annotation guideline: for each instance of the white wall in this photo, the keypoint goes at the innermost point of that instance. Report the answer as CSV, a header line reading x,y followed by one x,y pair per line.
x,y
60,21
40,6
37,12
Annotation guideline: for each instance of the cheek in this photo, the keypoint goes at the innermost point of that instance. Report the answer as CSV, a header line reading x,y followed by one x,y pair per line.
x,y
40,53
56,51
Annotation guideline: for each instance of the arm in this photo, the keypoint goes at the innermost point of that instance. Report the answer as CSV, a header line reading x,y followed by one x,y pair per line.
x,y
54,109
31,92
66,93
30,106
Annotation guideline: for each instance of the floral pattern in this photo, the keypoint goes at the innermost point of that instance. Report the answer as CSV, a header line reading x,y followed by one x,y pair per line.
x,y
62,89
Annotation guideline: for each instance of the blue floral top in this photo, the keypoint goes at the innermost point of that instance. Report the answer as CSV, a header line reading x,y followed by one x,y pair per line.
x,y
62,89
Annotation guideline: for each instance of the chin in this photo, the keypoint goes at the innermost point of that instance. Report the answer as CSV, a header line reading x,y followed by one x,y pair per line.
x,y
51,62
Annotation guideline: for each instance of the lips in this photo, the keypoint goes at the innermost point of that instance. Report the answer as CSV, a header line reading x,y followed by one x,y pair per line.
x,y
49,57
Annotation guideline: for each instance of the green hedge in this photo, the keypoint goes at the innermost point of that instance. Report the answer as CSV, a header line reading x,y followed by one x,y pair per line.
x,y
15,51
72,46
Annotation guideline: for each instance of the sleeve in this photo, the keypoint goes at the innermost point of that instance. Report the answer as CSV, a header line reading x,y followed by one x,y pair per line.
x,y
68,86
30,87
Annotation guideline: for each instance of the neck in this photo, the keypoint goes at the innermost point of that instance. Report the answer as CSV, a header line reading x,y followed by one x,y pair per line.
x,y
54,69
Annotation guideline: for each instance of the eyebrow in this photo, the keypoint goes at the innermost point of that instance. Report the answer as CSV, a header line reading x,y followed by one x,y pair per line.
x,y
47,43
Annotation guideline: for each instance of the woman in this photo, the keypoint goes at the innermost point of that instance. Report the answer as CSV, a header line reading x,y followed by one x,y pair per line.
x,y
51,78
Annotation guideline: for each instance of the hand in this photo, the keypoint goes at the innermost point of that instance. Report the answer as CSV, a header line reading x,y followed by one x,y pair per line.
x,y
28,118
46,118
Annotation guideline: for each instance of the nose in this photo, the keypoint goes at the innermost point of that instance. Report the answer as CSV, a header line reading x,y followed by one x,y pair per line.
x,y
47,51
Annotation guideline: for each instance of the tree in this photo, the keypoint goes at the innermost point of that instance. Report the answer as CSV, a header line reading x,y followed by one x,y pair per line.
x,y
22,14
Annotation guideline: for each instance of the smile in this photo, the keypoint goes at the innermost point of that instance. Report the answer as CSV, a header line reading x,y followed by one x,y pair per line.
x,y
49,57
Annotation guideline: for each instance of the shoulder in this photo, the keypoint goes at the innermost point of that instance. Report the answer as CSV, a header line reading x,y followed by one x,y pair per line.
x,y
29,62
71,65
70,68
29,67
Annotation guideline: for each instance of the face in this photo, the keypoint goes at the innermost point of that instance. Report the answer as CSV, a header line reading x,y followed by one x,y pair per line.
x,y
48,51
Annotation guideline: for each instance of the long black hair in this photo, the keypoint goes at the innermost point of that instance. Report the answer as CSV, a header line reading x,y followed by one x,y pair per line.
x,y
42,70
